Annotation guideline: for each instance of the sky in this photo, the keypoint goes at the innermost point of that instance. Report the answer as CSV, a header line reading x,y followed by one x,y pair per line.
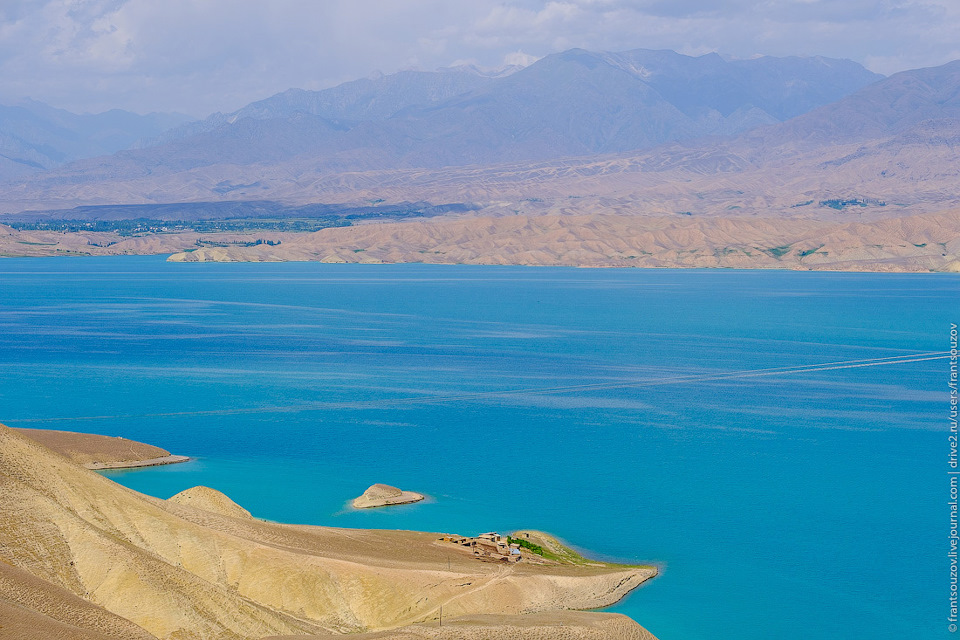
x,y
201,56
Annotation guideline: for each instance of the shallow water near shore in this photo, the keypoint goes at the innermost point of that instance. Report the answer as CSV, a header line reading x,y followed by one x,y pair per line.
x,y
632,413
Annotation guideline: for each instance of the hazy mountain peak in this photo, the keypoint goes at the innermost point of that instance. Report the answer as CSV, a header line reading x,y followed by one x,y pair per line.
x,y
374,98
36,136
494,72
887,107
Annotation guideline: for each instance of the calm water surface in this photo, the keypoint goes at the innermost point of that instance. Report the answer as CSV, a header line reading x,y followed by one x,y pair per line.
x,y
623,410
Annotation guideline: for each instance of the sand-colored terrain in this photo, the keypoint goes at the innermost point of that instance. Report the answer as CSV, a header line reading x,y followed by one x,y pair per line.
x,y
383,495
768,199
179,572
32,608
210,500
15,243
102,452
870,240
561,625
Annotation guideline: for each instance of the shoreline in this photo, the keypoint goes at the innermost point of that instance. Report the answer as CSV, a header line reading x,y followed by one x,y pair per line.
x,y
136,464
108,534
102,453
878,268
905,242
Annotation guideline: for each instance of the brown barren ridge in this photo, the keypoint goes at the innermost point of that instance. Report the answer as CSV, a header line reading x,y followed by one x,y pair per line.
x,y
102,452
921,242
84,558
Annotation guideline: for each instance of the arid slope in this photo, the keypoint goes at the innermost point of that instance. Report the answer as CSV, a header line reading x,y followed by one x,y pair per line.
x,y
564,625
181,572
852,241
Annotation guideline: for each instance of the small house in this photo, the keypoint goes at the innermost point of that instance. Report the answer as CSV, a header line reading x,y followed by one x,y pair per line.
x,y
491,546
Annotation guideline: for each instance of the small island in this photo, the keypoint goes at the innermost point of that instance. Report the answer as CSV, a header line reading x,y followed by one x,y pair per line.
x,y
383,495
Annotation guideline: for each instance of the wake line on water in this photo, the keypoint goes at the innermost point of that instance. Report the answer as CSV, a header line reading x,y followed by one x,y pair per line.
x,y
483,395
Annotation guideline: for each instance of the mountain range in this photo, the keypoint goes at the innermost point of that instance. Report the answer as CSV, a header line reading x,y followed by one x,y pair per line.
x,y
815,146
569,104
35,136
892,140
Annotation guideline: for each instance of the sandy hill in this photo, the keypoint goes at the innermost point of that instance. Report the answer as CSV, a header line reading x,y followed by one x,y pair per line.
x,y
210,500
84,557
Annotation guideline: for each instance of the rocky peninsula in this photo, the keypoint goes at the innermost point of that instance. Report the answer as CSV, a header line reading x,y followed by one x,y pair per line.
x,y
102,452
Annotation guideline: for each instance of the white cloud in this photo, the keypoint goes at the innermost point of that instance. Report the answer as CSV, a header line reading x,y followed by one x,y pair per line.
x,y
220,54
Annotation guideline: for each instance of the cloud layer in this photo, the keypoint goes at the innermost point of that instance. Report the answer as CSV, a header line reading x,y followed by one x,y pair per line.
x,y
199,57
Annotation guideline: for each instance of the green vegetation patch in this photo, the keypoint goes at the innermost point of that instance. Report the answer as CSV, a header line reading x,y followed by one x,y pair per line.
x,y
549,548
143,226
841,203
807,252
236,243
530,546
727,251
778,252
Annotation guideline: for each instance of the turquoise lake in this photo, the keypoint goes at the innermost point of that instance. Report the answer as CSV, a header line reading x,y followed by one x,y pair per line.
x,y
658,416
